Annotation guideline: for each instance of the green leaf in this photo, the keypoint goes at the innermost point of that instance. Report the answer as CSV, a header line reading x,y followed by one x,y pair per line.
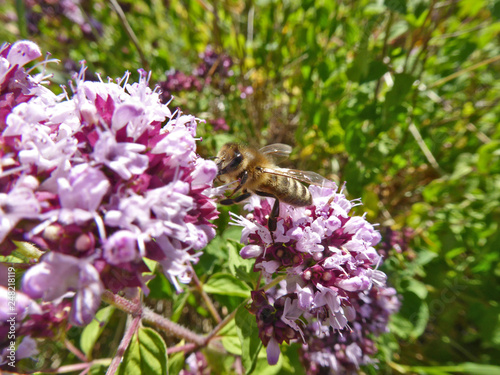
x,y
416,312
463,166
233,233
495,9
416,287
425,257
434,191
98,369
146,354
241,268
160,287
292,360
179,303
230,338
376,70
355,139
400,326
248,332
396,5
93,330
226,284
26,252
232,344
151,264
360,65
263,368
324,71
480,369
489,158
221,139
176,363
402,85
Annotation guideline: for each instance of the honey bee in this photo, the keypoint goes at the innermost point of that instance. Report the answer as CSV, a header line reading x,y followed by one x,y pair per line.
x,y
257,173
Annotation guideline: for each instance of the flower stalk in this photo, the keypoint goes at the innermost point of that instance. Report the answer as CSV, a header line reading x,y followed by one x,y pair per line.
x,y
127,337
206,298
158,321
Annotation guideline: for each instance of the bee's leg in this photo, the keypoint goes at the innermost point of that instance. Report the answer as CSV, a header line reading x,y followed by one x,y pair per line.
x,y
275,212
238,199
243,179
273,218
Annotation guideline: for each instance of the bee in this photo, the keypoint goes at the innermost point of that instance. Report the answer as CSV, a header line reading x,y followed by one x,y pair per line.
x,y
257,173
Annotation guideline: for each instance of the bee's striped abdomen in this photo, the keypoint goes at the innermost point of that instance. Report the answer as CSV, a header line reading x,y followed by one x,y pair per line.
x,y
289,191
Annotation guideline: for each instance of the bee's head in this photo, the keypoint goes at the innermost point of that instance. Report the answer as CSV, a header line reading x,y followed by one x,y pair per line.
x,y
229,159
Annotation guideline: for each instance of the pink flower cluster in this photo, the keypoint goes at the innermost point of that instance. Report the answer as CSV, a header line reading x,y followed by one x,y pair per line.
x,y
98,180
330,266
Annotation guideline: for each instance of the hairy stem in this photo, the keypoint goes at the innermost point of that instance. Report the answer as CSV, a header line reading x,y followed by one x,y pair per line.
x,y
127,337
170,327
181,348
152,318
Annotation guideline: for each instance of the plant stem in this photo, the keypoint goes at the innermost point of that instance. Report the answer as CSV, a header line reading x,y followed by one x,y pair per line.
x,y
231,316
168,326
151,317
463,71
384,50
206,298
122,303
182,348
120,352
222,324
130,32
79,366
21,18
172,328
73,349
427,153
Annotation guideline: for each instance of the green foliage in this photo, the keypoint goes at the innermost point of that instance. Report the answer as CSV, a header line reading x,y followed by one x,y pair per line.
x,y
91,332
146,354
398,98
248,333
226,284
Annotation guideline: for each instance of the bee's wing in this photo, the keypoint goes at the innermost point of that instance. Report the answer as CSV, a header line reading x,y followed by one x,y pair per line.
x,y
277,149
277,152
308,177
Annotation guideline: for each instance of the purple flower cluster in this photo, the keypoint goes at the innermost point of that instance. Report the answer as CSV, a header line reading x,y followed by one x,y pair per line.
x,y
219,124
16,86
345,351
276,320
330,264
178,81
53,10
397,241
214,64
98,181
213,70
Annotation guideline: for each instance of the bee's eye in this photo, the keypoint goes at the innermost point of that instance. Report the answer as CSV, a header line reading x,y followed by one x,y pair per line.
x,y
238,158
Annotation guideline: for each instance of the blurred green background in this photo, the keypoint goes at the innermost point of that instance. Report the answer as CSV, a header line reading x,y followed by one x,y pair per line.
x,y
399,98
